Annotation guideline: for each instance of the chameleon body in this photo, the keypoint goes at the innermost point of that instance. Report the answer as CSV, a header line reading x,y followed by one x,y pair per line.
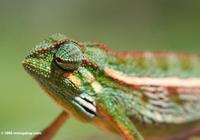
x,y
128,93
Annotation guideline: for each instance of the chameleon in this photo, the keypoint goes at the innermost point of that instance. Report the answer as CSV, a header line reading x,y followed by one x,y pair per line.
x,y
131,94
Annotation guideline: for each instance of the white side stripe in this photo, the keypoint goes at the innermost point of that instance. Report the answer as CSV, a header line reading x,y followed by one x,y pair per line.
x,y
165,82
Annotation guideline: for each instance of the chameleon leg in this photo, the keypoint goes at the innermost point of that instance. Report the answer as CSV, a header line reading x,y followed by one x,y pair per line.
x,y
113,112
51,130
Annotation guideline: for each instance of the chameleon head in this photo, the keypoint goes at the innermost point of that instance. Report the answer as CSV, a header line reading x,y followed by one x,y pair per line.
x,y
53,55
49,62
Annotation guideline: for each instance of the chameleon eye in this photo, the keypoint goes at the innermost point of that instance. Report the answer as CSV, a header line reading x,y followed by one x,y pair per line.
x,y
68,56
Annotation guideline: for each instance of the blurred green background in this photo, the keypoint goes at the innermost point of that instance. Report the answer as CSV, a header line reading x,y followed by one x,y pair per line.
x,y
158,25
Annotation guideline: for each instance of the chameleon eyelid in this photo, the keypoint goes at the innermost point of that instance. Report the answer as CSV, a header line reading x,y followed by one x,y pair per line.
x,y
68,56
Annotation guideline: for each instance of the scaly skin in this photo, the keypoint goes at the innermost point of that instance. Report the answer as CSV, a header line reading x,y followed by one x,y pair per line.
x,y
119,91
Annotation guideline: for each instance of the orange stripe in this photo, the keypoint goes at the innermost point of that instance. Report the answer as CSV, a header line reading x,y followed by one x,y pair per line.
x,y
163,82
120,127
161,55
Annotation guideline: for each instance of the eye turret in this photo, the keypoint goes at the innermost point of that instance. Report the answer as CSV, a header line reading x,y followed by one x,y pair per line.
x,y
68,56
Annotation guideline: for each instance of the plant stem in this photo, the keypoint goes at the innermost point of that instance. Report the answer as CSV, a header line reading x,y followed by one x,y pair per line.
x,y
52,129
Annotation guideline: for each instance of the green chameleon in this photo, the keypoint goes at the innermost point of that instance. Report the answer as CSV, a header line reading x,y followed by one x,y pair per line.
x,y
133,94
